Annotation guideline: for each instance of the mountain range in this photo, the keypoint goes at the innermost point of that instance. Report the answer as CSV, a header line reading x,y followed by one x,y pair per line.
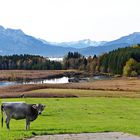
x,y
15,41
80,44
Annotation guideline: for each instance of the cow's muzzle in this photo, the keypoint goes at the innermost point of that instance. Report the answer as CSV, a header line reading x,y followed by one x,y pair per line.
x,y
39,113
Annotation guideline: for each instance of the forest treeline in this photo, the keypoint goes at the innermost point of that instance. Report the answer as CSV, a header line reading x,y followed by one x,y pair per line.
x,y
77,61
28,62
123,61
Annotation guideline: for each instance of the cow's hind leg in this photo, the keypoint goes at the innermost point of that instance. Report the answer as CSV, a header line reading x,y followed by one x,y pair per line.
x,y
27,124
8,122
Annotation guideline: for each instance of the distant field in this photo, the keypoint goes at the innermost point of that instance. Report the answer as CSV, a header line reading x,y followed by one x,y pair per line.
x,y
102,88
77,115
30,74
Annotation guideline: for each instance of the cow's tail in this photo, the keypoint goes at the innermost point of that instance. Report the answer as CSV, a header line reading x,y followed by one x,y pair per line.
x,y
2,115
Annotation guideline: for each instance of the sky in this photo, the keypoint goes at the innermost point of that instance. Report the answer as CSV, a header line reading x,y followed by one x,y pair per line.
x,y
71,20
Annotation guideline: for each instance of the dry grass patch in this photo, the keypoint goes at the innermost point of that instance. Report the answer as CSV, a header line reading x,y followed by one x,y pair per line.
x,y
82,93
30,74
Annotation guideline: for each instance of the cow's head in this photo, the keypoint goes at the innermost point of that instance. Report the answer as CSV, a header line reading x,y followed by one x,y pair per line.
x,y
39,108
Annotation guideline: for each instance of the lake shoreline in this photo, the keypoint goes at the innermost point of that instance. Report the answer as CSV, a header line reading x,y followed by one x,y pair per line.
x,y
109,88
29,75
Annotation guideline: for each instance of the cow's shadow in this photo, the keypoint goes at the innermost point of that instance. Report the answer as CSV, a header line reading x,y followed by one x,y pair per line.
x,y
43,130
28,130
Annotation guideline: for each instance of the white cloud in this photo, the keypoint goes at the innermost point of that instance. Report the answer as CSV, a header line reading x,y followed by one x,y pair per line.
x,y
65,20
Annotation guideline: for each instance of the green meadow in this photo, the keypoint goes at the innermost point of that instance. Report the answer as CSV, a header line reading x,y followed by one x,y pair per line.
x,y
78,115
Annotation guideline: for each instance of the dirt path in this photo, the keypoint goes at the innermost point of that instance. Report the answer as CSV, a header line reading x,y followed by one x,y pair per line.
x,y
89,136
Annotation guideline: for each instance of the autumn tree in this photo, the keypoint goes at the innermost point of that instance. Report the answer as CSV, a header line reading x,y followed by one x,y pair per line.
x,y
129,68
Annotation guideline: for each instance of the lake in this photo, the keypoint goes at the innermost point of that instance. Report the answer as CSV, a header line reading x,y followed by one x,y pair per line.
x,y
55,80
42,81
101,77
49,81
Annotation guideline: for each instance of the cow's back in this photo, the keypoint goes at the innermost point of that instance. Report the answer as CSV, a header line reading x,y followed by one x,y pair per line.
x,y
16,110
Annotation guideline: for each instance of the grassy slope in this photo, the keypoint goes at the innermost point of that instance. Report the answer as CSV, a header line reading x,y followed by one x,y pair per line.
x,y
76,115
85,93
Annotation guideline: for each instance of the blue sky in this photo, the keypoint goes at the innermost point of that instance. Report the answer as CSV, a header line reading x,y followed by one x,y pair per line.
x,y
71,20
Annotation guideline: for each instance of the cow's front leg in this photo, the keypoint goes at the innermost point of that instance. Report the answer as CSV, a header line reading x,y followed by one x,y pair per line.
x,y
7,122
27,124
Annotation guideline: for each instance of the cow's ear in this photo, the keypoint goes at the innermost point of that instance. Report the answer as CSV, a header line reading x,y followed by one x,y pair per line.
x,y
34,106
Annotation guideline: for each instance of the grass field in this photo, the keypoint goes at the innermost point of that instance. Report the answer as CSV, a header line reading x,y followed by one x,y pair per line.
x,y
76,115
90,111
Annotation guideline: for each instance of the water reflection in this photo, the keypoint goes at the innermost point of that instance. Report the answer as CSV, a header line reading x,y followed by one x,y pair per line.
x,y
50,81
56,80
7,83
42,81
102,77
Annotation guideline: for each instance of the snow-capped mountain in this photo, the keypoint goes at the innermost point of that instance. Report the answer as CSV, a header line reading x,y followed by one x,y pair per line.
x,y
122,42
80,44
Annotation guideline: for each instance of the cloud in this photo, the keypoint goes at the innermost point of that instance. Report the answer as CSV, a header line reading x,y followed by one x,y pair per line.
x,y
66,20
